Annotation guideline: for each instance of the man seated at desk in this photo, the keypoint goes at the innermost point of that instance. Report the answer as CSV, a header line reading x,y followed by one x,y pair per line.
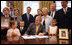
x,y
35,28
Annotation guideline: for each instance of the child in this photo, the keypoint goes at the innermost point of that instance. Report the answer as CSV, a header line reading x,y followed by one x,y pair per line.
x,y
52,30
21,27
13,31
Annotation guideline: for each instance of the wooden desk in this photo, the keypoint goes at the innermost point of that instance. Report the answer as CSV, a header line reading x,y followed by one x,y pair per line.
x,y
20,40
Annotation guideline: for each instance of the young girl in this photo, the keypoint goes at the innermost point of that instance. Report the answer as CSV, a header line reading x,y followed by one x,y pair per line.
x,y
52,30
13,31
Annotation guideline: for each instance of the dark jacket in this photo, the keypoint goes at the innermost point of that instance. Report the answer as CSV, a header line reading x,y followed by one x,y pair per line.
x,y
24,18
54,15
21,31
64,20
32,29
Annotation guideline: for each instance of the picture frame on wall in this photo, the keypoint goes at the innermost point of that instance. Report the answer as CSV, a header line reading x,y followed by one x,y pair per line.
x,y
5,21
63,34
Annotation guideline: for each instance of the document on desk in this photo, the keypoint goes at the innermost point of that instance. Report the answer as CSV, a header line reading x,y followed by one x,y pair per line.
x,y
34,37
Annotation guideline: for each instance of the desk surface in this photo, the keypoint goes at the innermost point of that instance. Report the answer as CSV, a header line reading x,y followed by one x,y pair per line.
x,y
20,40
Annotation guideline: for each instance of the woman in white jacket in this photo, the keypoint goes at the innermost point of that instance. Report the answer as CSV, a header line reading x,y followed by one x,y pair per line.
x,y
46,19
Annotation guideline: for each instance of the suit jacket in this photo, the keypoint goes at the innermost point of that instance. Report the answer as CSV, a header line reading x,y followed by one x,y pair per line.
x,y
64,20
21,31
54,15
24,18
32,29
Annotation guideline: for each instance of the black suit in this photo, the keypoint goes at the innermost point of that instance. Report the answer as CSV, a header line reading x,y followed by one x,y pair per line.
x,y
32,29
49,13
64,20
24,18
22,31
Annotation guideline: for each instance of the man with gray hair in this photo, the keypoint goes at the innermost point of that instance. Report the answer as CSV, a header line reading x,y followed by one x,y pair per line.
x,y
53,11
35,28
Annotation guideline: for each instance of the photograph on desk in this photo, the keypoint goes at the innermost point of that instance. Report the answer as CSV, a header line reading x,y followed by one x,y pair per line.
x,y
35,22
63,34
63,41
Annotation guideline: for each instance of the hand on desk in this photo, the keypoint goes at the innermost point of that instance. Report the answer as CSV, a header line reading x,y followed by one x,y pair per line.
x,y
41,34
25,35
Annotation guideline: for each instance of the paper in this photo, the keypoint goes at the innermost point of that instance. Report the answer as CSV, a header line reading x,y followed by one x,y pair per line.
x,y
34,37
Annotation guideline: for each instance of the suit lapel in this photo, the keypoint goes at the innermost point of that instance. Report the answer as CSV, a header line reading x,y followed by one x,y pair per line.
x,y
67,10
63,11
26,17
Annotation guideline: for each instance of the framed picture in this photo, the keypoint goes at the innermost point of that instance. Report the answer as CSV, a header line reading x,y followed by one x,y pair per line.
x,y
5,21
63,34
63,41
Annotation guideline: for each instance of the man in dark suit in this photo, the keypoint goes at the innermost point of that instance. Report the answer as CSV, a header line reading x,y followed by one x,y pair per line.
x,y
64,16
27,17
53,12
21,27
39,11
35,28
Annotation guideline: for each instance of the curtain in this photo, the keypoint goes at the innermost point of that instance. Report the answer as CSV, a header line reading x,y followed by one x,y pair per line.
x,y
17,4
47,4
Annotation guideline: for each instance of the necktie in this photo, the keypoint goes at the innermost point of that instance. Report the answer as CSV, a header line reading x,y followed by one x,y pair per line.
x,y
21,29
11,13
36,31
65,10
52,14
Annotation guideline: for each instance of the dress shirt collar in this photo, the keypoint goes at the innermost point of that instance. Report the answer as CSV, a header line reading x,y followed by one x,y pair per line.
x,y
21,27
64,8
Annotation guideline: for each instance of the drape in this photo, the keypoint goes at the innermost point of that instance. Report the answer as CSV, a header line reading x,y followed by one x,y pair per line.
x,y
47,4
17,4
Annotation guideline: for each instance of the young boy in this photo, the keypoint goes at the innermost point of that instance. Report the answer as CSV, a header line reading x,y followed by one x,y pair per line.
x,y
21,27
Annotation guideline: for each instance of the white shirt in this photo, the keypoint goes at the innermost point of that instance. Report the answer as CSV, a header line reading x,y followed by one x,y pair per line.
x,y
27,16
21,28
64,9
53,30
48,21
16,31
53,14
